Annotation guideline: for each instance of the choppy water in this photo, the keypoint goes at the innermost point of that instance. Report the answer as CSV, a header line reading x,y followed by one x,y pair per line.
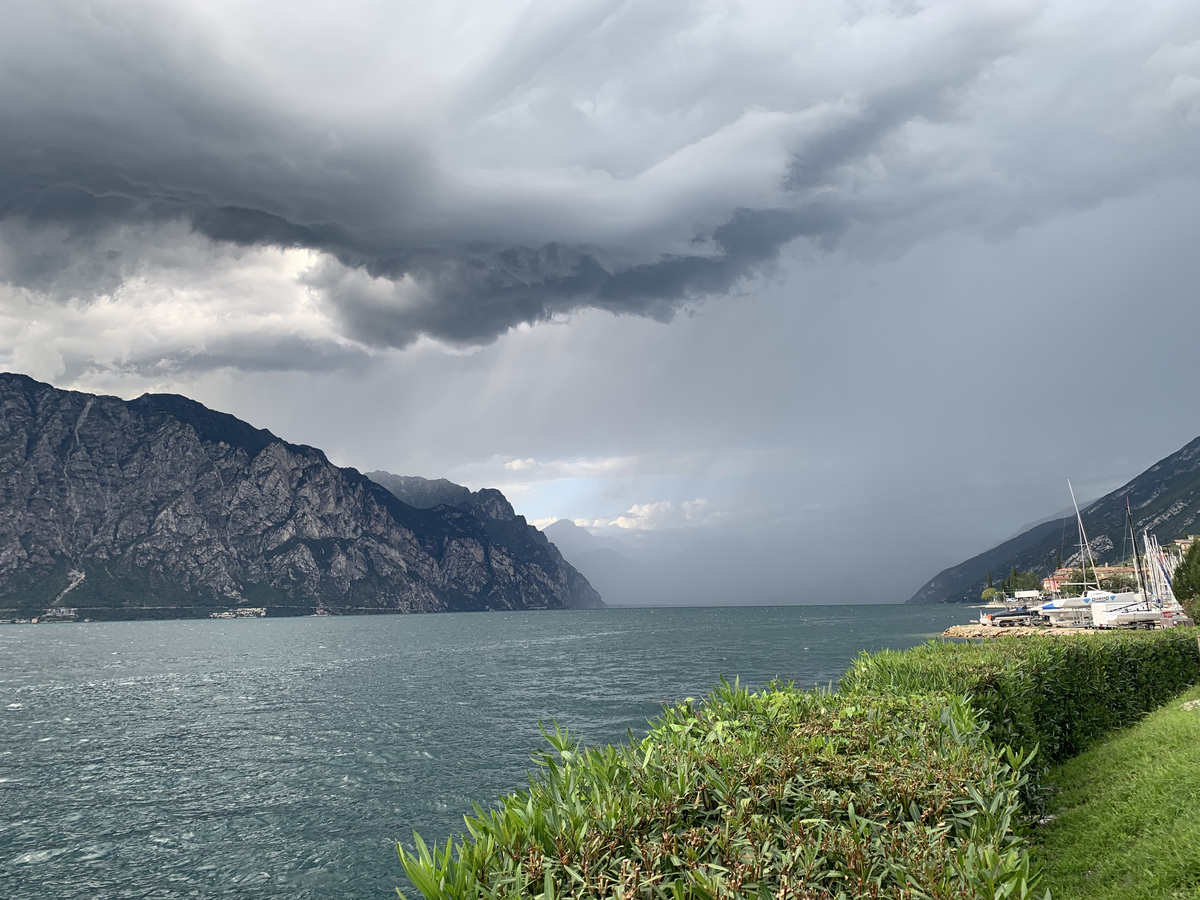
x,y
283,757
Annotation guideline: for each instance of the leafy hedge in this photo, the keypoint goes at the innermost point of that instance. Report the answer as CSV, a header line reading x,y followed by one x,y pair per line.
x,y
782,793
1058,695
907,783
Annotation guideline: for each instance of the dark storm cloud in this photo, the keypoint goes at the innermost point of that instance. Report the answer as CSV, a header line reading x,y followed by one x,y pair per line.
x,y
491,210
475,294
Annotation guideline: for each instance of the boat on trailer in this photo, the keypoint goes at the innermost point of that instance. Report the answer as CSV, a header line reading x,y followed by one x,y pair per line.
x,y
1009,616
1068,612
1020,609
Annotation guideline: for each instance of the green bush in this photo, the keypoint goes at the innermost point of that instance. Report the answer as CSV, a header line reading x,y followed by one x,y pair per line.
x,y
1186,581
1058,695
782,793
907,783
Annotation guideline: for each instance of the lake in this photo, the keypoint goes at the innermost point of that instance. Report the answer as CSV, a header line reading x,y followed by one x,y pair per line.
x,y
284,757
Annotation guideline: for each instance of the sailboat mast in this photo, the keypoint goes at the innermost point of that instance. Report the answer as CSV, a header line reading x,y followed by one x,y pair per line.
x,y
1137,572
1084,545
1157,570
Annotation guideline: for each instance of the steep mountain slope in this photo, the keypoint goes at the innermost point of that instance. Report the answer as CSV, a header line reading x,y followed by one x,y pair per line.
x,y
161,507
503,526
1165,500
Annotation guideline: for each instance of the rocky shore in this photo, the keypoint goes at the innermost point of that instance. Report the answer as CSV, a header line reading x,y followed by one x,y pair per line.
x,y
996,631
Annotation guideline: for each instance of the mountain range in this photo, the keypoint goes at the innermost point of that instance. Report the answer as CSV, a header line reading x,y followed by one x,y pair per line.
x,y
1164,500
160,508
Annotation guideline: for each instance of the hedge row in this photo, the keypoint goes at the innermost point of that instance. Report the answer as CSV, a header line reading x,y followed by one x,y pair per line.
x,y
907,783
782,793
1058,695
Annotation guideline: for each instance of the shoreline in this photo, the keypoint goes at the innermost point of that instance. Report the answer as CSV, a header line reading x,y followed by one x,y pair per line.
x,y
997,631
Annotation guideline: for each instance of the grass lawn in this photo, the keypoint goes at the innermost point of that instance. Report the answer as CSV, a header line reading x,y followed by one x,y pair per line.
x,y
1128,814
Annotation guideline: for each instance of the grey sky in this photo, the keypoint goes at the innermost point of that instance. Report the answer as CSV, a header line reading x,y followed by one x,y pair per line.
x,y
885,274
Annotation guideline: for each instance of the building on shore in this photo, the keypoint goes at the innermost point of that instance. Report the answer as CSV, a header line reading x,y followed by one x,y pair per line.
x,y
1054,583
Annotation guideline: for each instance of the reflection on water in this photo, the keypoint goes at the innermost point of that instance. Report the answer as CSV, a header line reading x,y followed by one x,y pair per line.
x,y
283,757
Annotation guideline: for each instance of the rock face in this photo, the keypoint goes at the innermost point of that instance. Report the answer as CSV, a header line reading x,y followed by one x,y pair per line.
x,y
161,507
504,527
1165,500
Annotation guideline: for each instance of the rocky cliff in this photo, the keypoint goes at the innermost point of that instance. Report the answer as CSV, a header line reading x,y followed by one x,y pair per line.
x,y
504,527
160,507
1165,500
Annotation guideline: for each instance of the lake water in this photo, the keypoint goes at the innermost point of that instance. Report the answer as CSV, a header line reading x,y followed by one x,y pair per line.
x,y
283,757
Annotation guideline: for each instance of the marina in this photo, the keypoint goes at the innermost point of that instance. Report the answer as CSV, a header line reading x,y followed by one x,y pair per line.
x,y
1085,606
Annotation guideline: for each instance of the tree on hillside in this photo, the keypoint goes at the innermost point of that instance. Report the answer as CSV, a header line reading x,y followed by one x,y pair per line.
x,y
1118,583
1027,581
1073,587
1021,581
1185,584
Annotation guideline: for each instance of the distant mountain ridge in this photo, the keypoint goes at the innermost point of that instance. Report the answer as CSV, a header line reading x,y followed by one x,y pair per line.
x,y
503,526
1165,500
623,580
161,507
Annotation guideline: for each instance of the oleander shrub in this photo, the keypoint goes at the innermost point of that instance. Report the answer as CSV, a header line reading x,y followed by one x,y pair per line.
x,y
1057,695
912,781
780,793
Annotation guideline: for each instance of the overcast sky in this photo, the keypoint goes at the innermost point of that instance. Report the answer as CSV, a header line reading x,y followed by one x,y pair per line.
x,y
810,299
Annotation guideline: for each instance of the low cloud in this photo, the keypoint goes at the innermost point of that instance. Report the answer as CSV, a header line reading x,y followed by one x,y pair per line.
x,y
661,516
595,467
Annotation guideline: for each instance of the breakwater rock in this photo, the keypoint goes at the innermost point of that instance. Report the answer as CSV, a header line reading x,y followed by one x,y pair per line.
x,y
995,631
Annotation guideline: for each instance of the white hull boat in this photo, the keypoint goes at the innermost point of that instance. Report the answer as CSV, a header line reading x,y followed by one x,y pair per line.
x,y
1069,612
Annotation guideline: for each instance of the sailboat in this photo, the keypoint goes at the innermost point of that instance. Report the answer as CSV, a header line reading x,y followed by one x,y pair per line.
x,y
1074,612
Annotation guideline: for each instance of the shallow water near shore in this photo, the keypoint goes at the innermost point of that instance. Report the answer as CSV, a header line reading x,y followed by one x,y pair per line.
x,y
283,757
